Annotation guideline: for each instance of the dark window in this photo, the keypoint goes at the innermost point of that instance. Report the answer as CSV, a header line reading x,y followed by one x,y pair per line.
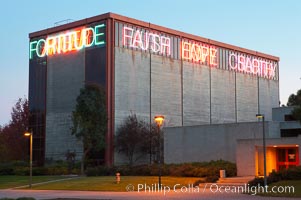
x,y
289,118
95,62
281,155
290,132
37,100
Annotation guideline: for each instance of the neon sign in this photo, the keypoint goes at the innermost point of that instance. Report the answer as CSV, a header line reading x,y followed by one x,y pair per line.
x,y
252,65
74,40
146,40
198,52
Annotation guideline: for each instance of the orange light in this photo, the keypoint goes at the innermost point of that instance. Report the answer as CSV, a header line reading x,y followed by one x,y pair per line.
x,y
297,145
275,146
259,116
159,119
27,134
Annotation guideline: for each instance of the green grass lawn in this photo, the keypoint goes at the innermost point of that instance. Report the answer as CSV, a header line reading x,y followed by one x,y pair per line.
x,y
281,185
107,183
16,181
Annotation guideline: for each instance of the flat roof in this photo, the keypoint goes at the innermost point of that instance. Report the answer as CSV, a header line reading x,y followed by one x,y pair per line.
x,y
150,26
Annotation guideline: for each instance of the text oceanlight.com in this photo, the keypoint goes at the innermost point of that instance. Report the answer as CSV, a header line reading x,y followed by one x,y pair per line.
x,y
210,187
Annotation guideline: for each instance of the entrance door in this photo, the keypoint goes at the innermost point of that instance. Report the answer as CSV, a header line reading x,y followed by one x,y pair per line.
x,y
287,157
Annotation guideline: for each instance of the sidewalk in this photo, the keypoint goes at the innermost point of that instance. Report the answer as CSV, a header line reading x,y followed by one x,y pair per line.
x,y
46,182
61,194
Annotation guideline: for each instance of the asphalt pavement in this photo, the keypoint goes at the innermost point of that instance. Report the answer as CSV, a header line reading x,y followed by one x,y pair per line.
x,y
189,195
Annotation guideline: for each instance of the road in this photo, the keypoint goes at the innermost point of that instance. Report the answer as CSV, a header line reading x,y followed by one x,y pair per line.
x,y
54,194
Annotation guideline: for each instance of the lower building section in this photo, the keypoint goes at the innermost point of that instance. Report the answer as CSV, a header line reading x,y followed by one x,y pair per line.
x,y
241,143
280,154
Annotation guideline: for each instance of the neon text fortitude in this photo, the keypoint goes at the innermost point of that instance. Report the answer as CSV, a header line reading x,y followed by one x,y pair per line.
x,y
68,41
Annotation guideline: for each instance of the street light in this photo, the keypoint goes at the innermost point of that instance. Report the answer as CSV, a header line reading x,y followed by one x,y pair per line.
x,y
29,134
261,116
159,121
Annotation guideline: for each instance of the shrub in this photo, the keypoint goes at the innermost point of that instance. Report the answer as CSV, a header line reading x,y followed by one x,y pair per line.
x,y
57,170
39,171
100,171
6,171
293,173
198,182
211,179
256,182
91,171
21,171
203,169
20,198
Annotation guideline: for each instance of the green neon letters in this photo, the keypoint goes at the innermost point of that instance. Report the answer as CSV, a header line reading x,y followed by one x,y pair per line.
x,y
74,40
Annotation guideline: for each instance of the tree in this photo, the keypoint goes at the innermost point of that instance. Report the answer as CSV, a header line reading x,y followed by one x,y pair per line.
x,y
90,120
297,113
136,138
13,144
295,100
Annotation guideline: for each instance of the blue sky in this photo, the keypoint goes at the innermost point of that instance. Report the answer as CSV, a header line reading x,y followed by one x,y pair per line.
x,y
272,27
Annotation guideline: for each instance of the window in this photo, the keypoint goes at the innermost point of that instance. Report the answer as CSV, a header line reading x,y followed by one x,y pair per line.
x,y
290,132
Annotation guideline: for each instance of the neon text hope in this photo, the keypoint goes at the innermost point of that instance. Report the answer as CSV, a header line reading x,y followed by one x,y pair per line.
x,y
198,52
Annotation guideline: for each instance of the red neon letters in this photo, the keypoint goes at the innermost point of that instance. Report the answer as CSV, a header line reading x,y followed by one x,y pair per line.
x,y
67,42
145,40
252,65
198,52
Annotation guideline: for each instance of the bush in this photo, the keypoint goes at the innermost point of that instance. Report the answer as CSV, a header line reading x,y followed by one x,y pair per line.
x,y
204,169
20,198
211,179
6,169
293,173
198,182
256,182
9,167
57,170
21,171
100,171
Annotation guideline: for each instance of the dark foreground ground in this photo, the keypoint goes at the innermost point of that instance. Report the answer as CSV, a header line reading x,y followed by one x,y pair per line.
x,y
68,195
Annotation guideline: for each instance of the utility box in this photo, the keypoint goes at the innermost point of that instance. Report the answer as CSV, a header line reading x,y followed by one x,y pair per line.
x,y
117,178
222,173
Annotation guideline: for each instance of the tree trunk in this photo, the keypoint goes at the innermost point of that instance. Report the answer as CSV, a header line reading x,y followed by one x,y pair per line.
x,y
82,167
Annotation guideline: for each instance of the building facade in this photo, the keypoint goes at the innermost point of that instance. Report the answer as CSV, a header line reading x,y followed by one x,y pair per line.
x,y
241,143
146,69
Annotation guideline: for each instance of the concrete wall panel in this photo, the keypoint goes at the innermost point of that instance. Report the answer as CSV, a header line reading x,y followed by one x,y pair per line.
x,y
166,95
246,97
65,78
222,96
132,85
207,142
196,94
268,97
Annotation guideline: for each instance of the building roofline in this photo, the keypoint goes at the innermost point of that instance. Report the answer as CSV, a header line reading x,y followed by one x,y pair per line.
x,y
150,26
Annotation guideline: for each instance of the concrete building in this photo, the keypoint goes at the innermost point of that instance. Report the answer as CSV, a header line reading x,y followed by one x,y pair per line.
x,y
147,70
241,143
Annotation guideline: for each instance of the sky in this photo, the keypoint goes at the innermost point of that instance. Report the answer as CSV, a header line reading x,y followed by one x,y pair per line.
x,y
272,27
